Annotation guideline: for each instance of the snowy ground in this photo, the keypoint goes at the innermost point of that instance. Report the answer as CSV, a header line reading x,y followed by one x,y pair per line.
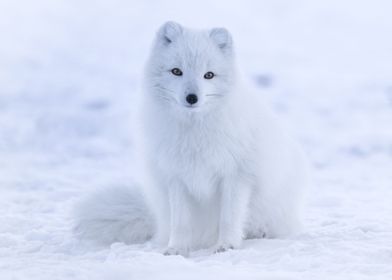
x,y
69,72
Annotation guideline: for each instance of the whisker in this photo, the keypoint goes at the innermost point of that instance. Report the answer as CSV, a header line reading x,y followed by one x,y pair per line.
x,y
163,88
216,95
166,98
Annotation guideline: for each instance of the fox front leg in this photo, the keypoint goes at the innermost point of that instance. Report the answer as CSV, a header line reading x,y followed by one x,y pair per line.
x,y
234,205
180,235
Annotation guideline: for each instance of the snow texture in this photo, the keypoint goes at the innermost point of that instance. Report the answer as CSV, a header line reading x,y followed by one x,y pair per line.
x,y
70,73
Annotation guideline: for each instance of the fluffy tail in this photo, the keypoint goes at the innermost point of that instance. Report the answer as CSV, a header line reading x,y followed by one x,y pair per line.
x,y
114,215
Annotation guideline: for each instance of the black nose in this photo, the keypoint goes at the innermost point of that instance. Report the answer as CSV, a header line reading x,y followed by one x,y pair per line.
x,y
191,98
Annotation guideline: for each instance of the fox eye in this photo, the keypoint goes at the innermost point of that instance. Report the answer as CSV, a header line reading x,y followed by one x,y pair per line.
x,y
209,75
176,72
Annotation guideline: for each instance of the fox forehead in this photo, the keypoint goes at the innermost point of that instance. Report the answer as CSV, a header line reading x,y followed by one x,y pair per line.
x,y
193,51
178,46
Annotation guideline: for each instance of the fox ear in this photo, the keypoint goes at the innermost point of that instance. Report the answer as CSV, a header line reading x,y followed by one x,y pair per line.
x,y
169,32
222,38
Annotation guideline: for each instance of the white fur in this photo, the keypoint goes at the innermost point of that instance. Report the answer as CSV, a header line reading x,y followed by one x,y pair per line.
x,y
113,215
222,169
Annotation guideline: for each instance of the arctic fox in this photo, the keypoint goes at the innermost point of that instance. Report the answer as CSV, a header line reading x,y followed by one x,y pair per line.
x,y
222,169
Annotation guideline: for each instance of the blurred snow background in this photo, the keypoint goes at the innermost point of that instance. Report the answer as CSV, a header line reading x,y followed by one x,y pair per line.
x,y
69,74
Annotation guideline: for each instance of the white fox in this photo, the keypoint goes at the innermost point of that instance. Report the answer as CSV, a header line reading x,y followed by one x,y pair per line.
x,y
222,169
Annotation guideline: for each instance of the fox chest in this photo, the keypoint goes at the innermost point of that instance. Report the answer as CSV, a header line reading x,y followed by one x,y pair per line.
x,y
199,163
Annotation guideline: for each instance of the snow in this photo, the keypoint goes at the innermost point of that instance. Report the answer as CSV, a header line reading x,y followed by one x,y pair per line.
x,y
70,73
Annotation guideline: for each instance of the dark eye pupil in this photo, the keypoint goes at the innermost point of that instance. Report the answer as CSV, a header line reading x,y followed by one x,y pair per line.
x,y
176,71
209,75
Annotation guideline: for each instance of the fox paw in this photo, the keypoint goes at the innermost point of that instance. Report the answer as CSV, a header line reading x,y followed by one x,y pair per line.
x,y
172,251
223,248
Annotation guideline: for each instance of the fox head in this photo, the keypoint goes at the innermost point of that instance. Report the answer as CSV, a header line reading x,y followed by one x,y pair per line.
x,y
190,70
